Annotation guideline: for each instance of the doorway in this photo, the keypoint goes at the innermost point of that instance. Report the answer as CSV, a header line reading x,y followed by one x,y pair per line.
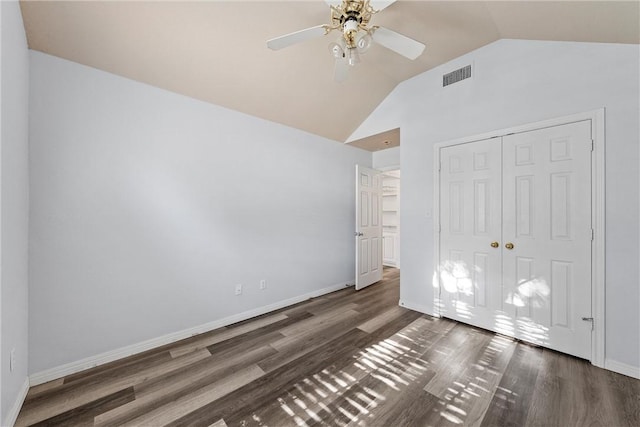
x,y
391,218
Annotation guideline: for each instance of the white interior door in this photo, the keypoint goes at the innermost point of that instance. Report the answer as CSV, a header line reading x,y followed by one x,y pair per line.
x,y
547,235
515,239
368,226
471,229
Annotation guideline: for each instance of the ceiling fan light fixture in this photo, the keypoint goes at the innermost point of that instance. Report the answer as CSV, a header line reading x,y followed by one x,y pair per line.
x,y
364,42
353,57
336,50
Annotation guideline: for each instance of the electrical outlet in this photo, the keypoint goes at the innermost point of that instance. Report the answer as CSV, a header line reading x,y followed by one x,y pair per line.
x,y
263,284
12,360
239,289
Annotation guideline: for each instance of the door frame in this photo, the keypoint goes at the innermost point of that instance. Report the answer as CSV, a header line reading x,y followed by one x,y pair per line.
x,y
597,118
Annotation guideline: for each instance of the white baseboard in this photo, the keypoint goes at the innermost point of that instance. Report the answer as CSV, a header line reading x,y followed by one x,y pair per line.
x,y
622,368
12,416
418,307
110,356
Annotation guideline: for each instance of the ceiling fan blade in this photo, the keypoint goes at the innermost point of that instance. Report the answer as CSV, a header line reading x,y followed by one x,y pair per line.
x,y
378,5
297,37
398,43
341,71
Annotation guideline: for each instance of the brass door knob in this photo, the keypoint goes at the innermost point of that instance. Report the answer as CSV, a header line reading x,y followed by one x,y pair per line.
x,y
495,244
509,246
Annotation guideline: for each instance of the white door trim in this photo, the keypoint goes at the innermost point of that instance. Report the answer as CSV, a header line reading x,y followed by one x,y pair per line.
x,y
597,118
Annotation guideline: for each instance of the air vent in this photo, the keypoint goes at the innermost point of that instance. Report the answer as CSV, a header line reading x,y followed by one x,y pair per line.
x,y
456,76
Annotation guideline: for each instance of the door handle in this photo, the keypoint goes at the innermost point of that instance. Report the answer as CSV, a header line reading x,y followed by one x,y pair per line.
x,y
357,234
509,246
495,244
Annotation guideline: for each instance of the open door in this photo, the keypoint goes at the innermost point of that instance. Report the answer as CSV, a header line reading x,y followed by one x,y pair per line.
x,y
368,226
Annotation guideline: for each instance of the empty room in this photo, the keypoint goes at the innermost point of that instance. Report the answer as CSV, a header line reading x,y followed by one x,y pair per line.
x,y
341,212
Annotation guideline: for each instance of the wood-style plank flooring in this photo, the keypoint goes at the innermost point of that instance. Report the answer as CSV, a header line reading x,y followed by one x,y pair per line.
x,y
347,358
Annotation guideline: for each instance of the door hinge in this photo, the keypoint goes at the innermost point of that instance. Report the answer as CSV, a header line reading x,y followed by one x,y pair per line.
x,y
593,145
593,234
439,165
589,319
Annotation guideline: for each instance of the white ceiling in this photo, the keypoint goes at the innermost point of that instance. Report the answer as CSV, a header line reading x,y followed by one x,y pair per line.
x,y
215,51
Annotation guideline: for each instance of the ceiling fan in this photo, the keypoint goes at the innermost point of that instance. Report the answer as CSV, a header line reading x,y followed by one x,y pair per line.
x,y
352,18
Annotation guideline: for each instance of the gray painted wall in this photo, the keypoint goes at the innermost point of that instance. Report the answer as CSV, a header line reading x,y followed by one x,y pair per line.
x,y
385,159
147,208
14,207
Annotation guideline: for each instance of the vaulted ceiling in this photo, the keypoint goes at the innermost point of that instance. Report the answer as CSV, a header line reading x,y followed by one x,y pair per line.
x,y
215,51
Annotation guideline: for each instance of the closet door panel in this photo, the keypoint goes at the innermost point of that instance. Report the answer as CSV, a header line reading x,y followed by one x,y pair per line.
x,y
470,211
547,219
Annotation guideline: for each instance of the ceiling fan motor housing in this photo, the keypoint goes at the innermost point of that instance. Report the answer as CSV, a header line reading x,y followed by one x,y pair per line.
x,y
352,16
350,31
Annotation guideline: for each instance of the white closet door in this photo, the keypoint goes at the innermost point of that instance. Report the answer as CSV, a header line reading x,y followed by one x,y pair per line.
x,y
528,194
470,220
547,219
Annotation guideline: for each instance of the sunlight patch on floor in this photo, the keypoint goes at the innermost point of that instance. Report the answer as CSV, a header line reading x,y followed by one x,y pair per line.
x,y
394,363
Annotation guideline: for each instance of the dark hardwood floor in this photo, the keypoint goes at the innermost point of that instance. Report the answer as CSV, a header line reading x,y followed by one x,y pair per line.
x,y
347,358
